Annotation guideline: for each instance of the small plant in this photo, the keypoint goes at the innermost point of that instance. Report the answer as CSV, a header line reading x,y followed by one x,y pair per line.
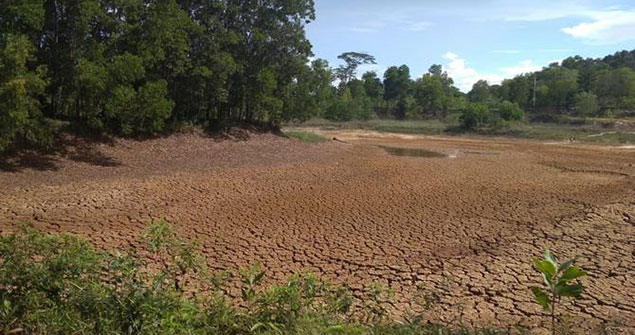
x,y
251,277
557,278
376,302
178,256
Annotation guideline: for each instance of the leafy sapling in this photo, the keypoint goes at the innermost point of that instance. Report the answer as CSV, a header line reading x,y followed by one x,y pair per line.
x,y
558,283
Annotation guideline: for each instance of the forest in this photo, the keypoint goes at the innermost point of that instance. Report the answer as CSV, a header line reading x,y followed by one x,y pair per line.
x,y
141,67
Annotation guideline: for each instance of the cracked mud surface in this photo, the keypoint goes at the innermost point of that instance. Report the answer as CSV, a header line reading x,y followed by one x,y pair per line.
x,y
352,213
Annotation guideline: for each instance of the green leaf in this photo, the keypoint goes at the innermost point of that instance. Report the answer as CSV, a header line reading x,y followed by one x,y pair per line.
x,y
547,280
259,277
257,326
551,258
545,266
564,266
564,290
542,298
571,274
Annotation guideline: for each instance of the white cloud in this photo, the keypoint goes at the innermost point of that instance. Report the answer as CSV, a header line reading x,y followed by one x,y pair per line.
x,y
606,27
450,55
464,76
525,66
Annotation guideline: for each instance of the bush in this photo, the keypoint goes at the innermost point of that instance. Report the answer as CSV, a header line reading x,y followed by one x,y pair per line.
x,y
474,116
510,111
61,285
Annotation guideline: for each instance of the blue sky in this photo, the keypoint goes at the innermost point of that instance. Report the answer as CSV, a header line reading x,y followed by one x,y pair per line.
x,y
472,39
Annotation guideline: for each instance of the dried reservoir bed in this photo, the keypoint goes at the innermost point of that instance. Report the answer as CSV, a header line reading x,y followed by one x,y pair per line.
x,y
467,224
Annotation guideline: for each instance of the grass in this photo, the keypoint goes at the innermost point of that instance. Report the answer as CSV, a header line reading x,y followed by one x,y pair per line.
x,y
591,130
306,136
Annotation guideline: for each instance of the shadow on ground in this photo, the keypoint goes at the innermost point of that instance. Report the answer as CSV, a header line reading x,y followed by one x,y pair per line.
x,y
74,148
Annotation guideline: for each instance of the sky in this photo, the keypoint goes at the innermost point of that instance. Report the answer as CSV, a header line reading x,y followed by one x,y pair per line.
x,y
472,39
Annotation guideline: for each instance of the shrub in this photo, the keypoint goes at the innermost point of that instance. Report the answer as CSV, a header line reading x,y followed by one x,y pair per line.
x,y
510,111
61,285
474,116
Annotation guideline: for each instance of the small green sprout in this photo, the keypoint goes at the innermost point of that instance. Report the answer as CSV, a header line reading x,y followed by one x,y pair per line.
x,y
557,279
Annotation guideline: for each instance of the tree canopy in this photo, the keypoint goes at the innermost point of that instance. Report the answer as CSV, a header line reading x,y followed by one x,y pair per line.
x,y
142,66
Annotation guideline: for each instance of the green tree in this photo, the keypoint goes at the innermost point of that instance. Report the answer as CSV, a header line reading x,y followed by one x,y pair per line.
x,y
480,93
22,87
352,61
615,88
310,94
561,83
428,93
517,90
397,89
373,86
586,104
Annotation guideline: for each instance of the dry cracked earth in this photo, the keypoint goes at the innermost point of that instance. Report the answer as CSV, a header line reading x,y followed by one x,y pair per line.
x,y
465,226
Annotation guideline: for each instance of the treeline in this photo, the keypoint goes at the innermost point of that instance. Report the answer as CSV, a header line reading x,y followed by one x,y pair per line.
x,y
139,66
146,66
576,86
584,87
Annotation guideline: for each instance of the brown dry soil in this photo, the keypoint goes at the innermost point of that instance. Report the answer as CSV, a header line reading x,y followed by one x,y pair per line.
x,y
465,226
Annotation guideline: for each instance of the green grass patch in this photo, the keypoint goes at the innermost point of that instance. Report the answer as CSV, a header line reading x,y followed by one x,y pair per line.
x,y
306,136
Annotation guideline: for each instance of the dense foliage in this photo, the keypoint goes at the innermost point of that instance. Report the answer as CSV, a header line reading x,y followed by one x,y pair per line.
x,y
576,86
135,67
144,66
61,285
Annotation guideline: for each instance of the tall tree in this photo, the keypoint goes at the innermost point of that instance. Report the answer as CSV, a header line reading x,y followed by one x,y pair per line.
x,y
352,60
21,89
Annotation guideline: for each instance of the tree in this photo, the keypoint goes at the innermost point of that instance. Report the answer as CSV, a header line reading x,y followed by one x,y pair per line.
x,y
561,83
586,104
397,89
436,70
480,92
310,94
615,88
517,90
396,82
352,61
428,93
21,89
373,86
